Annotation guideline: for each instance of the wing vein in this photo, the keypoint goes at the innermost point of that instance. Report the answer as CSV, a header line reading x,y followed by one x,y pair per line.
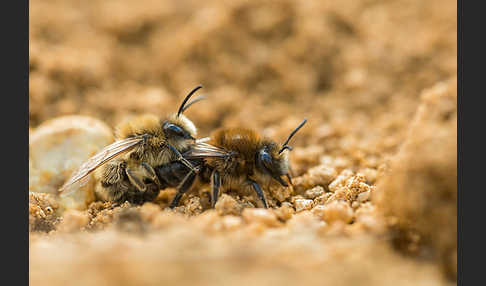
x,y
106,154
205,150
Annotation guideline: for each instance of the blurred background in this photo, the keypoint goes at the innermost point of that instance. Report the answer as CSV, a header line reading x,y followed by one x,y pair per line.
x,y
357,70
349,61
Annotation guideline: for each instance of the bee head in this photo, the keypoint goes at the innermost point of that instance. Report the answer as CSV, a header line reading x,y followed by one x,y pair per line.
x,y
272,160
178,128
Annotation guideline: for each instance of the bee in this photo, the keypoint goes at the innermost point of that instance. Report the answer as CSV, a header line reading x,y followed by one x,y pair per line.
x,y
238,158
125,169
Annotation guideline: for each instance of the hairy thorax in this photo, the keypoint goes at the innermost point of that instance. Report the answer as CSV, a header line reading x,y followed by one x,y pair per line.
x,y
235,170
154,151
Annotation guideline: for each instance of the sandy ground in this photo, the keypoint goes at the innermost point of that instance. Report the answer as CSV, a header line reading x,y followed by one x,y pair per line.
x,y
375,193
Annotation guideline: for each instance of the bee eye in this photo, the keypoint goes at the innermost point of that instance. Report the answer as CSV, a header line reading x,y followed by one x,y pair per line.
x,y
266,163
265,159
174,130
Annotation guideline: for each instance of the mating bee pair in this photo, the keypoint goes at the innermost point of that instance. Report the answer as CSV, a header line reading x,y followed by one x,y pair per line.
x,y
151,154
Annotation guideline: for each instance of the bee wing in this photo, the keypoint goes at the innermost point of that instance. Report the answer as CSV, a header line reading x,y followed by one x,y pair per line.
x,y
106,154
202,140
66,189
205,150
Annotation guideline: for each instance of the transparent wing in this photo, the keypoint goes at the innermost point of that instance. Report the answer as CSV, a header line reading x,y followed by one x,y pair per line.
x,y
205,150
80,177
66,190
202,140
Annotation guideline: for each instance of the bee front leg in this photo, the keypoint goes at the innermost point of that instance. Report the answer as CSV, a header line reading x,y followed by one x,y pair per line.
x,y
149,173
183,187
259,191
135,180
216,183
289,177
181,158
152,192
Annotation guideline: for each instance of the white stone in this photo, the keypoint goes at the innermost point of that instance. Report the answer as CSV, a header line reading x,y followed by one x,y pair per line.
x,y
57,148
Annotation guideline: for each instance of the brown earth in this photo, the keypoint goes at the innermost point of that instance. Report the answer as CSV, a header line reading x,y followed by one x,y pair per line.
x,y
375,187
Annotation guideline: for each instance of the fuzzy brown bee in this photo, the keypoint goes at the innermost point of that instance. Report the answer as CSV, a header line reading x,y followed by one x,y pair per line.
x,y
238,158
125,169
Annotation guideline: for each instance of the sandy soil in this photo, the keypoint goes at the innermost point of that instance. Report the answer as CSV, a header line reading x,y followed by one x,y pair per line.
x,y
374,199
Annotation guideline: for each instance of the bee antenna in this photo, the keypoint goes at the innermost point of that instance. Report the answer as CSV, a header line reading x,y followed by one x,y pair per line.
x,y
194,101
181,108
285,146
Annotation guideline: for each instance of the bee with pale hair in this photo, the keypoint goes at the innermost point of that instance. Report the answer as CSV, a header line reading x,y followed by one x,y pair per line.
x,y
126,169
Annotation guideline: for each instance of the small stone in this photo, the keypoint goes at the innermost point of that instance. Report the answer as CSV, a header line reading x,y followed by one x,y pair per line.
x,y
305,221
295,198
193,205
334,211
314,192
231,222
365,208
303,204
348,187
279,193
227,205
320,175
370,222
370,174
362,197
284,212
57,148
262,216
322,199
42,212
319,211
341,180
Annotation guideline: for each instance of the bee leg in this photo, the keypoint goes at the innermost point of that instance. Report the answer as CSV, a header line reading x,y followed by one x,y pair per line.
x,y
134,197
259,192
183,187
181,158
290,179
135,180
215,188
152,192
149,172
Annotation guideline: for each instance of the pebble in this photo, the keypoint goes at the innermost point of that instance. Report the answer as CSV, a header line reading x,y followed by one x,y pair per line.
x,y
232,222
262,216
314,192
334,211
341,180
319,175
364,196
42,212
303,204
57,148
305,221
284,212
227,205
